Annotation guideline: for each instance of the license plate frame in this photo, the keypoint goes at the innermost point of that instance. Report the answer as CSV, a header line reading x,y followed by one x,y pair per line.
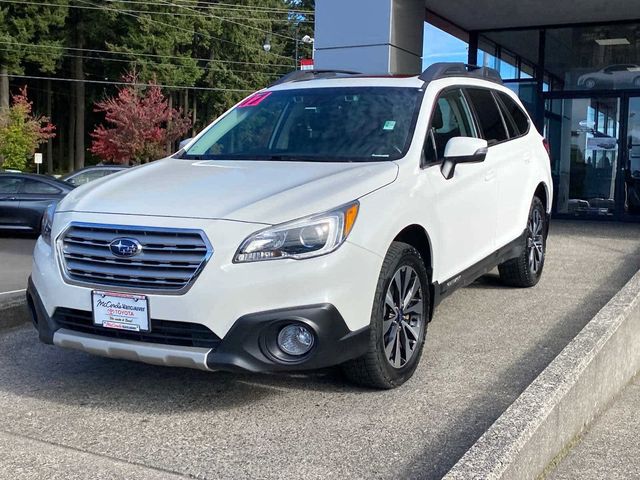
x,y
120,311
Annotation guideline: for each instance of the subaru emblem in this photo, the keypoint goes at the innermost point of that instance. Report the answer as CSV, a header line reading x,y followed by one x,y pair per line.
x,y
125,247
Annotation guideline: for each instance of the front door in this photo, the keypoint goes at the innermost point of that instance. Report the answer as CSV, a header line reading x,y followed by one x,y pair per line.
x,y
596,155
10,216
466,214
586,155
631,160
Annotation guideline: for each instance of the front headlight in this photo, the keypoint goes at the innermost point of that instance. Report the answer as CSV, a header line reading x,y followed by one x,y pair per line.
x,y
304,238
47,222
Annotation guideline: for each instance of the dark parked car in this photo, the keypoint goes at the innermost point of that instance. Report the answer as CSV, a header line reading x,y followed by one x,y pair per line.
x,y
89,174
24,198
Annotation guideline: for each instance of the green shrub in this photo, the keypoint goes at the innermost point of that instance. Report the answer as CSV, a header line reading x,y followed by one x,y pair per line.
x,y
21,132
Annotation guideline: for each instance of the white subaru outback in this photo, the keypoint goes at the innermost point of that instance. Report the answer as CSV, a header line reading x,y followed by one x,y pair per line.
x,y
318,222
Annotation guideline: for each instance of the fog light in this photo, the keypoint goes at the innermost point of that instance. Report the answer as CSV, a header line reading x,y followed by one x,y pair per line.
x,y
295,340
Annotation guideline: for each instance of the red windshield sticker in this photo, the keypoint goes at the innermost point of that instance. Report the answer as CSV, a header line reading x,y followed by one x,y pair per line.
x,y
254,100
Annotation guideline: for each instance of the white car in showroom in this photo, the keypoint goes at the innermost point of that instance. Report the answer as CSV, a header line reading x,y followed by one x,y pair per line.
x,y
319,222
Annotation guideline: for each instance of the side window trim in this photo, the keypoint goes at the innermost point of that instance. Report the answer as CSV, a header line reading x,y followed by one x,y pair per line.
x,y
471,113
506,116
474,114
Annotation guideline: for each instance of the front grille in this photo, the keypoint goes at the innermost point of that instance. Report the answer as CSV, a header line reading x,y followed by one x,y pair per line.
x,y
170,258
182,334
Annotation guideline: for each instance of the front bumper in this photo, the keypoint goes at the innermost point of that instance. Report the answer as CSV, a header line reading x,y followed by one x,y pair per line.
x,y
225,291
248,346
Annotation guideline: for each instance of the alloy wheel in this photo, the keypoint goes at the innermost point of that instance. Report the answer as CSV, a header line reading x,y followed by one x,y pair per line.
x,y
535,241
403,319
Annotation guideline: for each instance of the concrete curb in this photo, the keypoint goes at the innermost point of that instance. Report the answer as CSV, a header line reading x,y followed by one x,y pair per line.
x,y
573,390
13,311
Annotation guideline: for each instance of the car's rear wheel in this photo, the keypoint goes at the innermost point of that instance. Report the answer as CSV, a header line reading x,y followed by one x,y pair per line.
x,y
398,321
526,269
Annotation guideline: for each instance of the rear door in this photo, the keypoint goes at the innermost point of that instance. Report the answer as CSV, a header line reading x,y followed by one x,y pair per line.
x,y
9,201
500,157
515,172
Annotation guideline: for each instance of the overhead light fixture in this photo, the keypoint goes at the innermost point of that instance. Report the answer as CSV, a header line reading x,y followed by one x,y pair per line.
x,y
606,42
267,44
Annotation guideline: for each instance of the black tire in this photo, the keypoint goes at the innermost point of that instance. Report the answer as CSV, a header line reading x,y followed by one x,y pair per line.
x,y
375,369
590,83
525,271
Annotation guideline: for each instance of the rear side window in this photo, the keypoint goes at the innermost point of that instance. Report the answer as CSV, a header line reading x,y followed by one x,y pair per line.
x,y
520,118
491,124
35,187
89,176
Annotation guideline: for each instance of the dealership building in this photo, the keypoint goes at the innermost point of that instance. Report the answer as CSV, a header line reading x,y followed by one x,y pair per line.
x,y
574,64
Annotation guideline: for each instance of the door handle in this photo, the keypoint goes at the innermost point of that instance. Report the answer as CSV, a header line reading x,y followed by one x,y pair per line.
x,y
490,176
527,158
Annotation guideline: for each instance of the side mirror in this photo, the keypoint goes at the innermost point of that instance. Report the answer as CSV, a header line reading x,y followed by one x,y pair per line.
x,y
184,143
462,150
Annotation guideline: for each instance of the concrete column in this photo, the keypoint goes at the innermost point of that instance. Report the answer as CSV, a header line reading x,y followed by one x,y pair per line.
x,y
370,36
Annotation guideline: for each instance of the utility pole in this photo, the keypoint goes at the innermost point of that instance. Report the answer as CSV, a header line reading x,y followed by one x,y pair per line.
x,y
297,44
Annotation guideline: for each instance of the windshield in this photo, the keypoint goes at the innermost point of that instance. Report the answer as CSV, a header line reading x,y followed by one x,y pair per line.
x,y
320,124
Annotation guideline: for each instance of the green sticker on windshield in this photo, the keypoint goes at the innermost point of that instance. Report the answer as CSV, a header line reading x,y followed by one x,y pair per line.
x,y
389,125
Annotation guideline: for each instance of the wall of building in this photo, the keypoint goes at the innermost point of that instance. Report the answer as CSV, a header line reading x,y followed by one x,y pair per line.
x,y
377,37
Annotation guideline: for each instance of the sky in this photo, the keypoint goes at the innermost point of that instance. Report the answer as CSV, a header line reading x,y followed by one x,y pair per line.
x,y
439,46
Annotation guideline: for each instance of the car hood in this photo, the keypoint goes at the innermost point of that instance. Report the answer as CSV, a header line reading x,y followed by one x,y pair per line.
x,y
267,192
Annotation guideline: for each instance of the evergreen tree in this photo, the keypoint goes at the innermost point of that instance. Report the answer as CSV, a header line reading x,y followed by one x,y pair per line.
x,y
239,63
22,26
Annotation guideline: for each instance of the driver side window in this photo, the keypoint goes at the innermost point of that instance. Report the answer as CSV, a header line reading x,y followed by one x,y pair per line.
x,y
451,118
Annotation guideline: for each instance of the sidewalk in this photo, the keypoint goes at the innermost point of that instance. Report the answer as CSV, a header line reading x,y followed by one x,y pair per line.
x,y
610,448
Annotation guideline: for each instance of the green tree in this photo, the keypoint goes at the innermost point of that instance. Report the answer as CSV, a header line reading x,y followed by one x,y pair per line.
x,y
159,37
21,132
238,63
21,27
89,26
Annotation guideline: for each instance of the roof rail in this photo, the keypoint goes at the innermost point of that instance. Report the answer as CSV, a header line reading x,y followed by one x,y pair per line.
x,y
446,70
301,75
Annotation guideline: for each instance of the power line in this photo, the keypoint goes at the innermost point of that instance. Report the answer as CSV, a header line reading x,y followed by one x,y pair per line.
x,y
136,54
227,6
132,84
105,59
198,14
168,3
116,10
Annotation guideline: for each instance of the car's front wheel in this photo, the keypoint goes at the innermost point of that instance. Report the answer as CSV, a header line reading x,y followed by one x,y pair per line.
x,y
590,83
398,321
526,269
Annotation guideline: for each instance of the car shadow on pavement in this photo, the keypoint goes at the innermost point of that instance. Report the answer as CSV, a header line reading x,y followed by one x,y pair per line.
x,y
29,368
441,454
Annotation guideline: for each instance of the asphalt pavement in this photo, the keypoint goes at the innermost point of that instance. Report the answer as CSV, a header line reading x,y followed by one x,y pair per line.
x,y
610,448
64,411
